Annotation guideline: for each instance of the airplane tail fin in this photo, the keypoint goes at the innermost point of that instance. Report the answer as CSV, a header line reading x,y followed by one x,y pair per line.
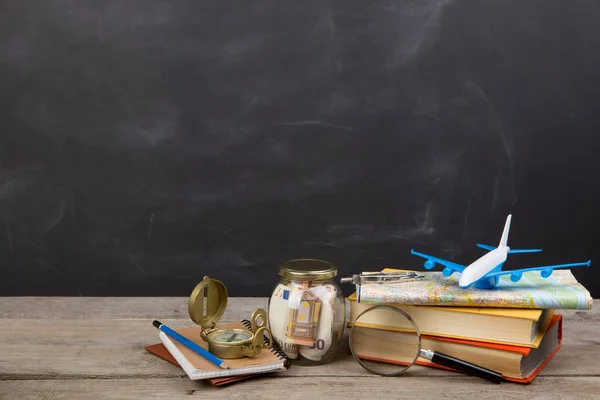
x,y
504,238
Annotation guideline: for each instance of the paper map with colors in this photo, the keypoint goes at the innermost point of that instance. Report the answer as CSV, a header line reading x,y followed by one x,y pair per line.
x,y
559,291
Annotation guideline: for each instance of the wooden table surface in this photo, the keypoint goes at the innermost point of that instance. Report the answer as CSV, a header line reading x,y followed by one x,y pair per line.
x,y
93,348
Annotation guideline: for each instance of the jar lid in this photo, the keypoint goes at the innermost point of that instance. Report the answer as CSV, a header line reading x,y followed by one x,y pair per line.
x,y
307,270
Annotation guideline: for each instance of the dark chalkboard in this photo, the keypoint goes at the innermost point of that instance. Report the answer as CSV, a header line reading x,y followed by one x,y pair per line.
x,y
145,144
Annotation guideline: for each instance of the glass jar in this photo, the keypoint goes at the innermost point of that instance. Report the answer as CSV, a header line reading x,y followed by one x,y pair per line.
x,y
307,311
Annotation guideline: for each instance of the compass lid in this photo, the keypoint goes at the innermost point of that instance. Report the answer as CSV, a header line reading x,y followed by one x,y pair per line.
x,y
207,302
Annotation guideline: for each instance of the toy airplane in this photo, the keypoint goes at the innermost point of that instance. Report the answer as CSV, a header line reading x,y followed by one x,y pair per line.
x,y
484,273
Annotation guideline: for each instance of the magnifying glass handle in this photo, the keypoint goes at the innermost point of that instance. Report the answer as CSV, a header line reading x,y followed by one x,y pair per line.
x,y
460,365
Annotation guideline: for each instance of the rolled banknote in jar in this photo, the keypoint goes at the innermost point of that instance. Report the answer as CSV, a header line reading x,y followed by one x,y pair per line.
x,y
324,335
307,311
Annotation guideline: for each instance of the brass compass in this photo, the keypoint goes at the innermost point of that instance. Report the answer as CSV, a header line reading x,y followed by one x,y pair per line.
x,y
206,306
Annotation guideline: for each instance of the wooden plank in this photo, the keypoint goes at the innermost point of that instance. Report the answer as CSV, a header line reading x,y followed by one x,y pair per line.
x,y
116,307
455,387
114,348
72,348
157,307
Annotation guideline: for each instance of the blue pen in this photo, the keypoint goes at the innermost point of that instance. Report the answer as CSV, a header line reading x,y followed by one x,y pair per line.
x,y
191,345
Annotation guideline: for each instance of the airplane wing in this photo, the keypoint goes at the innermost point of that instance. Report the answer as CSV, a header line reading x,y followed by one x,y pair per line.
x,y
449,266
545,271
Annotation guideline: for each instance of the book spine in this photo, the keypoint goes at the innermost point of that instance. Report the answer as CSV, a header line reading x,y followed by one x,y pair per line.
x,y
274,348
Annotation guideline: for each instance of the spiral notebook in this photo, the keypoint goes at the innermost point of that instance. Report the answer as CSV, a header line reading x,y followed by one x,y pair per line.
x,y
160,351
196,367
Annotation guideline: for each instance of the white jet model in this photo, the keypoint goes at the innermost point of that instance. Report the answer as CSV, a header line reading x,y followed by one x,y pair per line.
x,y
484,272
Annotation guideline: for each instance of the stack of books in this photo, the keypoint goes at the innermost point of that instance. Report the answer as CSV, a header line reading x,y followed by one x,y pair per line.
x,y
514,329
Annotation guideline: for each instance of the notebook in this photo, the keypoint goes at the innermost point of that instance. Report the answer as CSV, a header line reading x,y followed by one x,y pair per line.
x,y
161,351
197,367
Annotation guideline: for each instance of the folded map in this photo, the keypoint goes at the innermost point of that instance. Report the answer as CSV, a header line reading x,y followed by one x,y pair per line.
x,y
559,291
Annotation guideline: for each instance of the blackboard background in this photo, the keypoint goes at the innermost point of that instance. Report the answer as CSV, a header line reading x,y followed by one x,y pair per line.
x,y
145,144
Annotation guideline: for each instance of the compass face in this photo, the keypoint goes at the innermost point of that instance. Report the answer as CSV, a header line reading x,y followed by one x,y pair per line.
x,y
230,336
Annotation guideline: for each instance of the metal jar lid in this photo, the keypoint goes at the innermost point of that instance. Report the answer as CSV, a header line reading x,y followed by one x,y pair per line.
x,y
307,270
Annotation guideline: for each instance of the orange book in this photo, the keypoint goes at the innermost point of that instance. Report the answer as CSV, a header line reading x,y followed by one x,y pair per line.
x,y
515,363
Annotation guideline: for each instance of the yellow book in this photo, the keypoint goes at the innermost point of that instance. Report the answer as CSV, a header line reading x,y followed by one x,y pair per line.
x,y
516,327
512,326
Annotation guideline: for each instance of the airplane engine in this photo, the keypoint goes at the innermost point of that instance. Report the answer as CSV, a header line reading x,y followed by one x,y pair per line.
x,y
546,272
429,264
447,272
516,276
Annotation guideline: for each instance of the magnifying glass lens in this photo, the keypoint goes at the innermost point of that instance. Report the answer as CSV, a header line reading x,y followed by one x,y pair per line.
x,y
385,340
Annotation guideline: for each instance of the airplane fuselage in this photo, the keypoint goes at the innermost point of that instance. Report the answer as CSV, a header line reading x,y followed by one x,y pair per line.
x,y
482,266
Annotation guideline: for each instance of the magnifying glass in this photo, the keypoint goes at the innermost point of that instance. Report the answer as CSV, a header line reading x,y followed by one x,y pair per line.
x,y
391,353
